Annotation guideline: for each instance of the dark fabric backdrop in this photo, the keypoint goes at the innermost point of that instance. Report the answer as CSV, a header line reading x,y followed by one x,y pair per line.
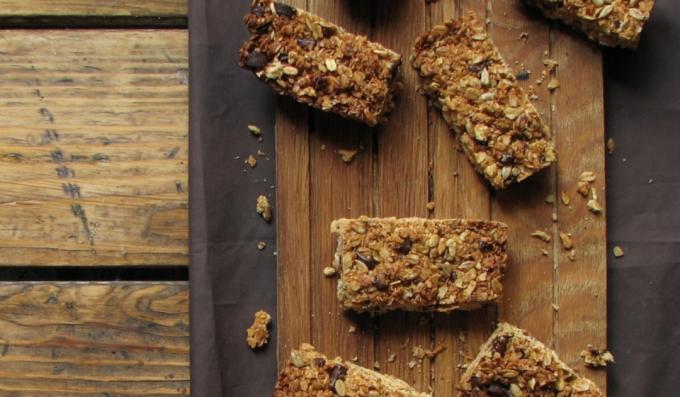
x,y
231,279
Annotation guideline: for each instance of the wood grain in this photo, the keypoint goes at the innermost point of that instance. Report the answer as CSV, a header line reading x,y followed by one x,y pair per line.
x,y
93,148
132,8
103,339
414,159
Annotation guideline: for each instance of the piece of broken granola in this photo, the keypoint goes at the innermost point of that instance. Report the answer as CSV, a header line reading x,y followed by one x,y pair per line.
x,y
258,334
594,357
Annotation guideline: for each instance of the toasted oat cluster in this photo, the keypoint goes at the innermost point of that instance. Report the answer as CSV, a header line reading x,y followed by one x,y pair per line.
x,y
318,63
257,334
311,374
615,23
419,264
594,357
512,363
499,129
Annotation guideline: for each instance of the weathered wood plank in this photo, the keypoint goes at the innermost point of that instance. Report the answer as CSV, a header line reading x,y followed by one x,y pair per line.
x,y
581,286
108,339
133,8
93,148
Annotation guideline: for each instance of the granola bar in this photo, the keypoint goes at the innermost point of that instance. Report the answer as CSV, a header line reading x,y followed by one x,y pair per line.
x,y
512,363
418,264
310,373
614,23
499,130
257,333
318,63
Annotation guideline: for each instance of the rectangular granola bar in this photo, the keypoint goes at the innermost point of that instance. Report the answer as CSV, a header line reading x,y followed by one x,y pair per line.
x,y
512,363
612,23
310,373
419,264
499,129
318,63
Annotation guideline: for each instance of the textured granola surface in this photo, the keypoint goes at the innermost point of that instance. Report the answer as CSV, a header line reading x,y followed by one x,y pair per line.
x,y
318,63
310,373
465,75
511,363
419,264
616,23
257,333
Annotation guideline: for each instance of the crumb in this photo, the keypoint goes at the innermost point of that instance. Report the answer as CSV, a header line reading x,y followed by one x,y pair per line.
x,y
434,352
595,358
251,161
550,199
347,155
551,64
260,139
260,153
618,251
524,36
261,245
583,189
258,334
587,176
430,206
650,180
391,358
555,307
255,130
376,365
594,206
565,199
418,352
329,271
355,359
553,84
541,235
263,208
323,147
554,216
611,145
567,243
352,329
412,364
545,252
572,255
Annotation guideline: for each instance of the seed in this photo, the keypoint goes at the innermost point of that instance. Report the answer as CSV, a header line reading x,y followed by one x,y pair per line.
x,y
290,70
331,65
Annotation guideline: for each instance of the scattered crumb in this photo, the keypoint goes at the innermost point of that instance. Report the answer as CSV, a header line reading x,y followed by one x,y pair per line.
x,y
553,84
650,180
545,252
583,189
376,365
347,155
618,251
329,271
255,130
587,176
554,216
260,139
555,307
323,147
418,352
260,153
412,364
263,208
352,329
258,334
565,198
261,245
611,145
550,199
524,36
251,161
541,235
572,255
593,193
434,352
391,358
430,206
355,359
551,64
567,243
594,206
595,358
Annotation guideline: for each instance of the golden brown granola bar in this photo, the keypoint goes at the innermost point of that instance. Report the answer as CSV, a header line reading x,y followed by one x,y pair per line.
x,y
499,129
419,264
309,373
318,63
615,23
512,363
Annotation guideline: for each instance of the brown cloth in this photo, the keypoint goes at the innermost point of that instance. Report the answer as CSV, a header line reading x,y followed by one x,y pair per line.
x,y
231,279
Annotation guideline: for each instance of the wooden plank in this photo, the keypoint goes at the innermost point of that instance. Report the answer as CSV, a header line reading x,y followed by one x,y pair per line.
x,y
93,148
528,293
402,181
581,286
338,190
108,339
132,8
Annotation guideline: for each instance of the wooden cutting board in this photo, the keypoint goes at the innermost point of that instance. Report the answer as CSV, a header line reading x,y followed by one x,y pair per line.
x,y
412,160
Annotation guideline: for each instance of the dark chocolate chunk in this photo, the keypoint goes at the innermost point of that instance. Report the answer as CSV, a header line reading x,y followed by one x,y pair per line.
x,y
475,382
336,372
497,389
283,57
500,345
485,246
380,284
474,68
319,362
507,159
367,260
256,60
522,76
285,10
258,10
327,31
307,43
405,247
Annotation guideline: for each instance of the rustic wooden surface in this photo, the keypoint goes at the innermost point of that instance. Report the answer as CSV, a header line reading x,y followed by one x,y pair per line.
x,y
94,339
135,8
93,147
412,160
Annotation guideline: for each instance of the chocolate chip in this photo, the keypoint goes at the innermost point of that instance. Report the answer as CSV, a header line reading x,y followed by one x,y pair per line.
x,y
327,31
485,246
256,60
500,345
454,276
522,76
367,260
285,10
336,372
474,68
405,247
307,43
497,389
283,57
475,382
258,10
319,362
264,28
380,284
507,159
